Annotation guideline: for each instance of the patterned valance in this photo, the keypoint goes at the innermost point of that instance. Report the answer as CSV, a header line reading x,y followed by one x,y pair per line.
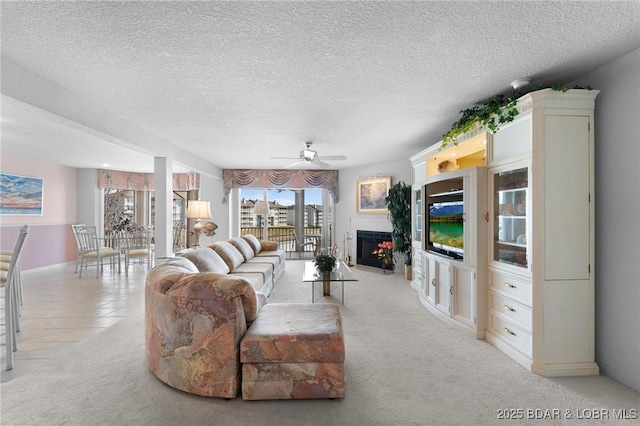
x,y
290,179
144,181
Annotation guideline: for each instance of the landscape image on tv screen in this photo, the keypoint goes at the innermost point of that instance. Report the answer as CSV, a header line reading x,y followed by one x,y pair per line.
x,y
446,227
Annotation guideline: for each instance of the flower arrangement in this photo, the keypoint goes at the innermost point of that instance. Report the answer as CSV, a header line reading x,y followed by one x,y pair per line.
x,y
385,251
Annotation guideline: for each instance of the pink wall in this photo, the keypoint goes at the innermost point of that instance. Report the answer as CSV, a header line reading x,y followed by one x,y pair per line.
x,y
50,240
45,244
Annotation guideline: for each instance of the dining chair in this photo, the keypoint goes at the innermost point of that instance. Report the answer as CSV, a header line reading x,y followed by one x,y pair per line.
x,y
5,262
11,301
5,259
93,250
137,245
300,245
75,228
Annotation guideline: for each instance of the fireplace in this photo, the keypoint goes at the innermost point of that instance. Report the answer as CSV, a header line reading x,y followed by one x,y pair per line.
x,y
367,247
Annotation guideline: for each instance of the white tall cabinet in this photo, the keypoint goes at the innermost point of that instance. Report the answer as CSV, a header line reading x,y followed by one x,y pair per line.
x,y
541,234
537,232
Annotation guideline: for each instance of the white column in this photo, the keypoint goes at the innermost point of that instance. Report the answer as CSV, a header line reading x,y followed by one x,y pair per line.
x,y
327,220
163,184
90,209
235,213
265,218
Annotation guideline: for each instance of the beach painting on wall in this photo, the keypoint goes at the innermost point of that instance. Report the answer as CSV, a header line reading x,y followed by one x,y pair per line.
x,y
20,195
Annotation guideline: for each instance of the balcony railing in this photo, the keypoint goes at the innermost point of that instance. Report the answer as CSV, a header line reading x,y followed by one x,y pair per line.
x,y
282,234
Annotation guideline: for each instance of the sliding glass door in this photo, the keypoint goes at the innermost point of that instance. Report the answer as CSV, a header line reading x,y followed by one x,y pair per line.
x,y
291,213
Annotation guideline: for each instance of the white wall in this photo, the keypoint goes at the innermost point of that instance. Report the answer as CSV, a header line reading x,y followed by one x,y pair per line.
x,y
617,162
347,218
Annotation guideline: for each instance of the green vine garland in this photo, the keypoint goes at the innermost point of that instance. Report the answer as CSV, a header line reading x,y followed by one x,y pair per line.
x,y
495,111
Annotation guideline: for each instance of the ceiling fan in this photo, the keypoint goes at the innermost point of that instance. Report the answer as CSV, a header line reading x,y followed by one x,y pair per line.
x,y
309,156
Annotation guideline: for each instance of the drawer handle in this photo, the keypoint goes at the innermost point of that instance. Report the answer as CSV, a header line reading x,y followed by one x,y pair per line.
x,y
509,308
509,331
433,282
510,285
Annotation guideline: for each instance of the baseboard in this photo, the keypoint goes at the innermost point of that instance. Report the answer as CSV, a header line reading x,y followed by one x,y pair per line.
x,y
616,375
508,350
478,334
48,267
566,369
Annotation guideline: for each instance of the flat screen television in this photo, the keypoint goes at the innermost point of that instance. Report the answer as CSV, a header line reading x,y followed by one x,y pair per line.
x,y
445,219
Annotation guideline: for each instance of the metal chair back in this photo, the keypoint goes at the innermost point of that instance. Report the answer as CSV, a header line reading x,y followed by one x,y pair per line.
x,y
11,297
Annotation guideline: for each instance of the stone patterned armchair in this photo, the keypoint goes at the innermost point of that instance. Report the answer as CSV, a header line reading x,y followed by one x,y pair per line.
x,y
194,322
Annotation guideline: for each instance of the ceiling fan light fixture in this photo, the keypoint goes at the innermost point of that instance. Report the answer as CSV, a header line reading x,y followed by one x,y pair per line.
x,y
308,154
521,82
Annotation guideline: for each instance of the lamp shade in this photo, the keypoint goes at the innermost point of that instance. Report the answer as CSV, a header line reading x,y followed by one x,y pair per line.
x,y
262,208
198,209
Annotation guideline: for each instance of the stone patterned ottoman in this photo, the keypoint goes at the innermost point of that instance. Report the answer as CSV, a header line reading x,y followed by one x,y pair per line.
x,y
294,351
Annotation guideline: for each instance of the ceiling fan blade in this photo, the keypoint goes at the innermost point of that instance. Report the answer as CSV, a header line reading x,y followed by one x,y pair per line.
x,y
319,163
285,158
294,164
332,157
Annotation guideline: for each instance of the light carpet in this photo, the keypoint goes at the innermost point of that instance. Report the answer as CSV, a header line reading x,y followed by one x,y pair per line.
x,y
404,367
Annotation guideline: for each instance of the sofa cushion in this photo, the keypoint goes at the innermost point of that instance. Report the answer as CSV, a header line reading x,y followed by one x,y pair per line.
x,y
209,287
166,274
254,278
280,254
231,256
274,261
264,268
254,242
206,260
269,246
243,247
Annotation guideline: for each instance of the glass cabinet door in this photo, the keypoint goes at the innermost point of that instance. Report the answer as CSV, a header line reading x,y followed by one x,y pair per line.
x,y
511,217
417,215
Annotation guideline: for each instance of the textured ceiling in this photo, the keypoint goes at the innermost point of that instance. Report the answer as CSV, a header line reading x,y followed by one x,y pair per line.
x,y
238,82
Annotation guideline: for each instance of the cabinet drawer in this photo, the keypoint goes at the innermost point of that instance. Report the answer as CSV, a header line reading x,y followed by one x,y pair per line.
x,y
512,287
511,309
511,333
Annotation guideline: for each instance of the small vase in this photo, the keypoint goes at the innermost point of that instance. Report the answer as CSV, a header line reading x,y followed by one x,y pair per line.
x,y
326,283
387,264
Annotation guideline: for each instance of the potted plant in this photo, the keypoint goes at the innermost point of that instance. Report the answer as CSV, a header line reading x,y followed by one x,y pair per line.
x,y
399,206
325,261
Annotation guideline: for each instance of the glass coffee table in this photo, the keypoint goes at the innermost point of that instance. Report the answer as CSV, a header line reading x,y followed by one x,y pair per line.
x,y
311,275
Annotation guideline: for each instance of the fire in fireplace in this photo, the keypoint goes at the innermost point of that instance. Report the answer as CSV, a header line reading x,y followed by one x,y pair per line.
x,y
367,247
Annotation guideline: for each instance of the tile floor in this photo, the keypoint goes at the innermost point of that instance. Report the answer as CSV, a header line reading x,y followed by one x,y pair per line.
x,y
60,308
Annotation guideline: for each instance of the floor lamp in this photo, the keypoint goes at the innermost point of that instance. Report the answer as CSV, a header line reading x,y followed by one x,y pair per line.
x,y
198,209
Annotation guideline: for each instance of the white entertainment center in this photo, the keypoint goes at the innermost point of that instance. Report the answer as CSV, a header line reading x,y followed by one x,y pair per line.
x,y
503,240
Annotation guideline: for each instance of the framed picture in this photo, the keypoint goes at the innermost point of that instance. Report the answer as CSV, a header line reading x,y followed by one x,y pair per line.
x,y
20,195
371,194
